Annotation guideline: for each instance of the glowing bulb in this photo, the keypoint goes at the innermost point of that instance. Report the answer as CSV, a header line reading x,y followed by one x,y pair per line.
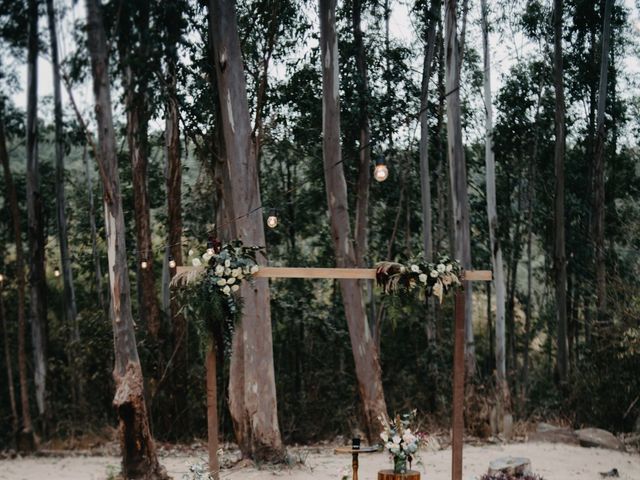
x,y
381,172
144,264
172,263
56,272
1,278
272,219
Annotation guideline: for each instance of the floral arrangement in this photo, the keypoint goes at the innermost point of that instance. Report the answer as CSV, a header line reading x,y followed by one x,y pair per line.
x,y
210,289
400,441
435,279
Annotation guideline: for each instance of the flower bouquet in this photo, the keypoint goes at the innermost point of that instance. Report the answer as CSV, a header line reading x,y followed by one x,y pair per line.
x,y
400,441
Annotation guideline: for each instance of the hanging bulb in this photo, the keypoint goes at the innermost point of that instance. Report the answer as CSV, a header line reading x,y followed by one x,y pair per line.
x,y
144,264
272,219
380,172
172,262
56,272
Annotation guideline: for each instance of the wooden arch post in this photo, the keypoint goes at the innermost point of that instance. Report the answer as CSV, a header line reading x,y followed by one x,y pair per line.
x,y
457,421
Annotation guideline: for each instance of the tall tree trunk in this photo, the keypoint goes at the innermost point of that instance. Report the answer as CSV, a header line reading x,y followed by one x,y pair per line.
x,y
174,217
26,440
365,353
252,391
458,170
503,397
599,180
35,230
69,295
138,449
559,256
9,365
529,309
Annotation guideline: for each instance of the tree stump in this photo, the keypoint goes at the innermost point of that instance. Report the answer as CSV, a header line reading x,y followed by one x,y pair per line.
x,y
389,475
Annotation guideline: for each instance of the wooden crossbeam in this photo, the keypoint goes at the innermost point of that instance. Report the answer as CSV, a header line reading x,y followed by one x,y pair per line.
x,y
349,273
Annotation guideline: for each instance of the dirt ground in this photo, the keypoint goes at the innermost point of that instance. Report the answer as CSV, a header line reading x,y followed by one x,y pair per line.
x,y
552,461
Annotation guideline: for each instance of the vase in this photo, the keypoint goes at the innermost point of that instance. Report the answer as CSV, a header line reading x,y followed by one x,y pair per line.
x,y
399,464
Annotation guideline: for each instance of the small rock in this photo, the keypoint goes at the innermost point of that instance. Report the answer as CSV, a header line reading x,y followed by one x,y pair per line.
x,y
546,427
596,437
510,465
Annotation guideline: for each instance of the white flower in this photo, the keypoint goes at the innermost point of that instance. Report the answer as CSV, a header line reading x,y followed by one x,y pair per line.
x,y
226,290
191,252
231,281
219,270
408,437
235,288
222,282
449,267
196,262
227,263
396,439
423,278
434,273
254,269
227,271
384,436
441,268
415,268
389,445
207,256
236,272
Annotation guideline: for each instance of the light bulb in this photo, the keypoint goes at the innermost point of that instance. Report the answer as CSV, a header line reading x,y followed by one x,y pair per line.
x,y
56,272
381,172
1,278
272,219
144,264
172,263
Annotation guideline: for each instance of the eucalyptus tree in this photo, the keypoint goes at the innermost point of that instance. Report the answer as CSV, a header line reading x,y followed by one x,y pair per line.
x,y
458,168
138,448
252,393
559,256
35,230
365,353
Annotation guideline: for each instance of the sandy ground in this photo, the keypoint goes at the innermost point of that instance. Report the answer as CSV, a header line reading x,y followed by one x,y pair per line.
x,y
553,461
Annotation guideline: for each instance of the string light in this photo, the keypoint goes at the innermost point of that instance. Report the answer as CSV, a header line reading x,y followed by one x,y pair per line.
x,y
172,263
56,272
272,219
144,264
380,172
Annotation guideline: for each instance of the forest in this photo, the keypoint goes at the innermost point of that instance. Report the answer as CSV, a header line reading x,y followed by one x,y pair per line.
x,y
136,135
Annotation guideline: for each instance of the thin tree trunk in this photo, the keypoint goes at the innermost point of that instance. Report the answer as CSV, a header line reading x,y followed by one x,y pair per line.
x,y
503,397
174,218
27,439
212,409
252,392
138,449
9,362
599,187
69,295
458,171
529,310
559,256
35,230
365,353
94,235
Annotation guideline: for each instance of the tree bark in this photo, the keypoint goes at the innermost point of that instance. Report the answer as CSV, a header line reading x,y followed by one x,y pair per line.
x,y
365,353
252,391
138,449
559,256
26,441
458,170
35,230
212,409
503,398
69,295
599,180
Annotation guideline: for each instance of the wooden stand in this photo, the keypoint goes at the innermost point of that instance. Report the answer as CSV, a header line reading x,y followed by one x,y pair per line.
x,y
389,475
